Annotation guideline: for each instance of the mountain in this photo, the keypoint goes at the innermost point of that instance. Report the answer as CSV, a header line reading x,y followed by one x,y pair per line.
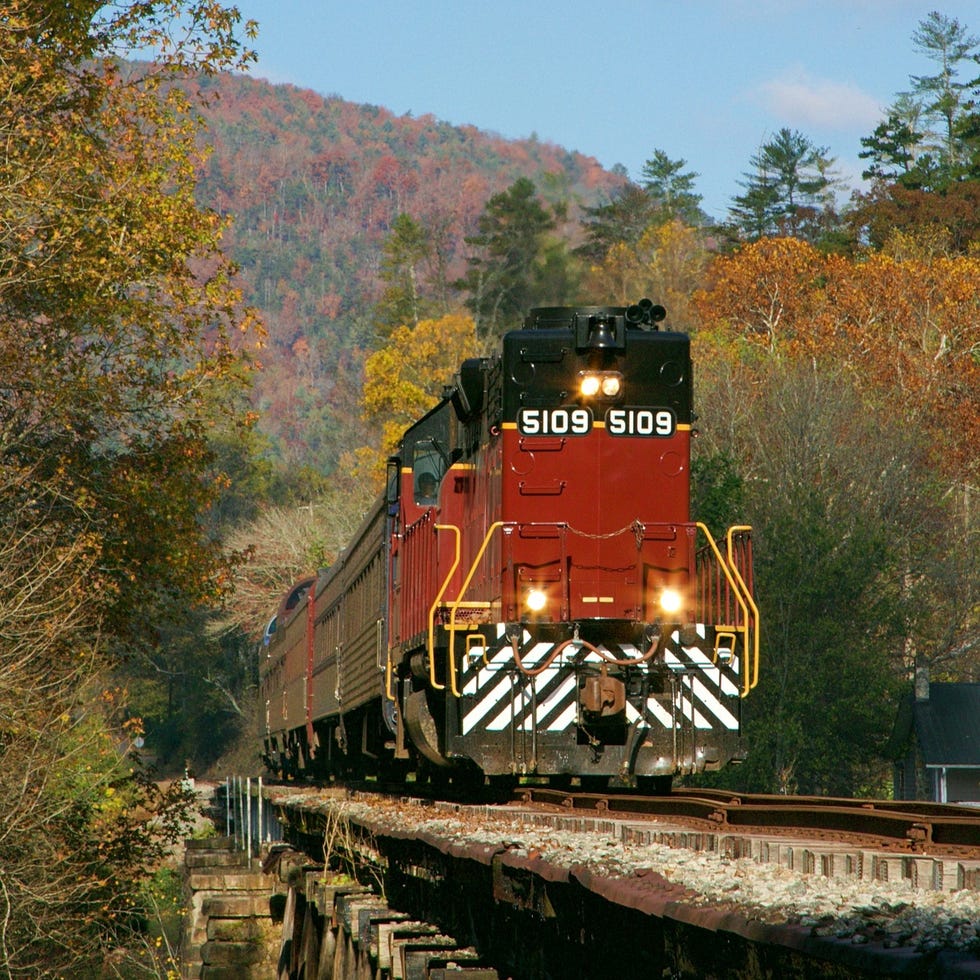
x,y
313,184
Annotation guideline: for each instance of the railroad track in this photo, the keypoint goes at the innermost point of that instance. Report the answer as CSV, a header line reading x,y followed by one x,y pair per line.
x,y
900,826
907,826
553,882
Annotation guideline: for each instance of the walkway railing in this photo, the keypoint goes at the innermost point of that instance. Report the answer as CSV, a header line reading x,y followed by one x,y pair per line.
x,y
249,817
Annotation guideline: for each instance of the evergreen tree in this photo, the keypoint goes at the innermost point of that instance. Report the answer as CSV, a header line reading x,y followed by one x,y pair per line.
x,y
620,222
893,146
504,276
404,250
947,43
756,212
665,193
558,275
671,190
968,135
790,190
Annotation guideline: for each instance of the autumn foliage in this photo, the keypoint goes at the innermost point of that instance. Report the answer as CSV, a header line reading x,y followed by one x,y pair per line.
x,y
318,186
904,329
122,342
835,371
405,378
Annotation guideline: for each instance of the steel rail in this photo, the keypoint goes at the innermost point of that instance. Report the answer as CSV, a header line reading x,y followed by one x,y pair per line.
x,y
912,827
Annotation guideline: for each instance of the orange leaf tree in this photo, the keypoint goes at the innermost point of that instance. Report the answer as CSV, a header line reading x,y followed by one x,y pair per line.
x,y
907,330
847,392
911,331
767,292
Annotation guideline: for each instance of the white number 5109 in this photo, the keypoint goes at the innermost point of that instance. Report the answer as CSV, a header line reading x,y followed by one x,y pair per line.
x,y
640,422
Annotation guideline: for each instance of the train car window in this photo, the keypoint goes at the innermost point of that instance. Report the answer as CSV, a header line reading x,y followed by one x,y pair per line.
x,y
392,485
430,463
269,631
426,487
293,598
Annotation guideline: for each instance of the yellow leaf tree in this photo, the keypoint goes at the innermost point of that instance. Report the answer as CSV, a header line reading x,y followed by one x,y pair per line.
x,y
667,264
404,379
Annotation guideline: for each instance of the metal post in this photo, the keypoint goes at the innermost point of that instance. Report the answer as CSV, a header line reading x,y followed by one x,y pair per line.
x,y
248,822
261,813
227,806
239,822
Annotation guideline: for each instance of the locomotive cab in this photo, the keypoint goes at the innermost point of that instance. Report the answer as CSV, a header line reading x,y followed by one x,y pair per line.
x,y
597,425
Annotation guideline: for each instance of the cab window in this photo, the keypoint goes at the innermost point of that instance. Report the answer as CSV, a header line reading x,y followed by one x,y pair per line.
x,y
428,469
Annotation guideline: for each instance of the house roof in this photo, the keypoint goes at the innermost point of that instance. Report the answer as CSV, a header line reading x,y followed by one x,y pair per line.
x,y
946,724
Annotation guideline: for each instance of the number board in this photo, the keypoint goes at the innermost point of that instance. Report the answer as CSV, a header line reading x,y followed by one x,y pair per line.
x,y
626,421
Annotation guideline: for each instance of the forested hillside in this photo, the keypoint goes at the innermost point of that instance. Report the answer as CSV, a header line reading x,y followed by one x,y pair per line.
x,y
314,185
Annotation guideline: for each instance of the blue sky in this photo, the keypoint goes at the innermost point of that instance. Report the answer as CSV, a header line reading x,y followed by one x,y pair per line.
x,y
707,81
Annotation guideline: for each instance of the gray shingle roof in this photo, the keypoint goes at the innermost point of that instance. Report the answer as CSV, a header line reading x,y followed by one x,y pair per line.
x,y
947,725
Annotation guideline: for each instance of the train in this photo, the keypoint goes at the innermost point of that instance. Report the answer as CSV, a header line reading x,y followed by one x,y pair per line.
x,y
529,598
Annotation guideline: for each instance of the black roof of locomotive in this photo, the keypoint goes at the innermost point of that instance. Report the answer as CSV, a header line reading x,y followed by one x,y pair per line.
x,y
644,314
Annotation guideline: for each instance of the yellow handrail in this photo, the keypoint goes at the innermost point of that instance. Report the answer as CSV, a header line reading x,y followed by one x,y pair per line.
x,y
389,669
435,605
732,531
459,602
737,587
740,591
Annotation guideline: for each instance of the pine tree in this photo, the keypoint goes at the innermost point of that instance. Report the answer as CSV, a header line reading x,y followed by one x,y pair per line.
x,y
504,274
947,43
790,189
620,222
894,144
404,250
671,190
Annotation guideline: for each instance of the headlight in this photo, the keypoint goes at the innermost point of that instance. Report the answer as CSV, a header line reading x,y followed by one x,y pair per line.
x,y
671,601
607,383
535,600
611,385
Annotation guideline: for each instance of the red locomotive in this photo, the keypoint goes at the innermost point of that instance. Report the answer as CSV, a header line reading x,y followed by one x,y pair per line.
x,y
530,596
